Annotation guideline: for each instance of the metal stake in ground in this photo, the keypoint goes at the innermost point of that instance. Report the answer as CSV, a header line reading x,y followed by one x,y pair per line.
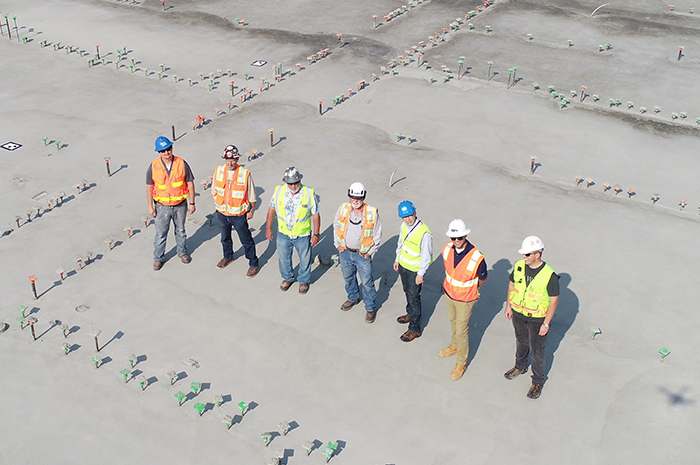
x,y
532,165
14,18
680,52
109,172
272,137
163,3
97,55
95,333
31,321
32,280
173,128
9,33
320,107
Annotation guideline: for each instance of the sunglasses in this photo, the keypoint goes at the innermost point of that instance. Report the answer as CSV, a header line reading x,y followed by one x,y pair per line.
x,y
528,254
169,149
455,239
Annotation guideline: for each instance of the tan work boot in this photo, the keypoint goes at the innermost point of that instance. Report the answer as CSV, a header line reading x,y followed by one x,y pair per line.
x,y
458,372
448,351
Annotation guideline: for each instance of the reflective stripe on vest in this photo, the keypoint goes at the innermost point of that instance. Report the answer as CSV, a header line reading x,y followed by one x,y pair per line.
x,y
410,254
302,223
461,283
169,190
369,218
532,300
236,202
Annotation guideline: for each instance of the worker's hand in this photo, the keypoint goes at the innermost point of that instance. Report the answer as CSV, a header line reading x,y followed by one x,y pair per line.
x,y
543,330
509,312
268,233
152,211
366,255
419,280
341,249
249,215
396,266
191,208
314,240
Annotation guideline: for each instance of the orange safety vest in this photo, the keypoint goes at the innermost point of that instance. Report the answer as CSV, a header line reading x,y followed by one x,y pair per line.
x,y
231,199
368,221
169,190
461,283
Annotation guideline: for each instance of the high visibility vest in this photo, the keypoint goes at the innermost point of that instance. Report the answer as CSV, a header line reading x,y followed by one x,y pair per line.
x,y
532,300
169,190
231,199
461,283
302,222
409,257
369,219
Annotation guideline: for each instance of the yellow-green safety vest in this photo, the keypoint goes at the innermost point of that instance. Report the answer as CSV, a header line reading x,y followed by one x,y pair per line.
x,y
302,223
409,257
532,300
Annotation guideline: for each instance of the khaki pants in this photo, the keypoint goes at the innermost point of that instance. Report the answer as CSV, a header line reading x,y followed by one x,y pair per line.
x,y
459,314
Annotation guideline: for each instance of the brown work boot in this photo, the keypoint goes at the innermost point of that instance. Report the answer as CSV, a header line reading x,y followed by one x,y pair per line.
x,y
185,258
535,391
403,319
252,271
157,265
448,351
348,304
458,372
371,316
303,288
286,285
514,373
408,336
223,263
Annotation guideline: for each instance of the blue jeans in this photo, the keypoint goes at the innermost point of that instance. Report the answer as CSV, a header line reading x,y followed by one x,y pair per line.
x,y
240,224
285,246
164,214
352,263
412,291
529,342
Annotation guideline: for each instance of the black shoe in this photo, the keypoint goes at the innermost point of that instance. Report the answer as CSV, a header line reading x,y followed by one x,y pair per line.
x,y
371,316
157,265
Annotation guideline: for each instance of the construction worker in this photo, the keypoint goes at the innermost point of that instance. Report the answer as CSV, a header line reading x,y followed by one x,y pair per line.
x,y
234,197
533,295
465,272
357,233
414,254
298,226
169,185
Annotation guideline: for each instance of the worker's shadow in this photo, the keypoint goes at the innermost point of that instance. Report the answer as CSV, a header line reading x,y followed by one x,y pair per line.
x,y
383,269
492,296
204,233
432,291
324,248
562,321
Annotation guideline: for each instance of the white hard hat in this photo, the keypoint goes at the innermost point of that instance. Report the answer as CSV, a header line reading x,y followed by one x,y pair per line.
x,y
292,175
457,228
357,191
531,244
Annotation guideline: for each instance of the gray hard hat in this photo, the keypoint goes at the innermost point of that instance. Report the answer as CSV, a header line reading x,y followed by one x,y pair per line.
x,y
292,175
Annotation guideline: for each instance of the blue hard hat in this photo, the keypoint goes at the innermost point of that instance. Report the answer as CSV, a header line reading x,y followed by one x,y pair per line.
x,y
406,208
162,143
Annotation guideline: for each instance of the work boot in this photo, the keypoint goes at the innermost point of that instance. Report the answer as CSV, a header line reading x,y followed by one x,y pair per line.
x,y
408,336
403,319
157,265
371,316
252,271
303,289
348,304
458,372
223,263
448,351
514,373
286,285
535,391
185,258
